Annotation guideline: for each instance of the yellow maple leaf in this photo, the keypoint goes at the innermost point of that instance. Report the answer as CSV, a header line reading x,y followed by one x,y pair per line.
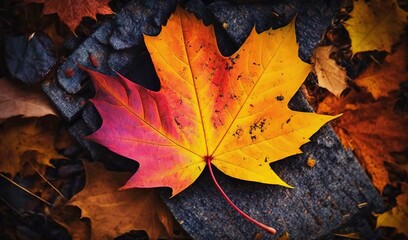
x,y
375,25
228,112
329,74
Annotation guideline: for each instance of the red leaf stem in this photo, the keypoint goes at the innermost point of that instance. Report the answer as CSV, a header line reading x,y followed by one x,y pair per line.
x,y
259,224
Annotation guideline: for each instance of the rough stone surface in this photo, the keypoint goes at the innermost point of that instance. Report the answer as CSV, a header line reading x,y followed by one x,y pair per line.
x,y
68,105
324,197
29,59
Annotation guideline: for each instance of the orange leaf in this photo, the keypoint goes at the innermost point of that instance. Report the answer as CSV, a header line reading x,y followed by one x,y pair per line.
x,y
383,79
114,212
230,112
372,129
71,12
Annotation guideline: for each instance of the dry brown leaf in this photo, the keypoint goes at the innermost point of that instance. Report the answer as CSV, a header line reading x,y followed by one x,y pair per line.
x,y
329,75
375,25
28,139
70,218
397,217
113,212
16,100
372,129
71,12
382,79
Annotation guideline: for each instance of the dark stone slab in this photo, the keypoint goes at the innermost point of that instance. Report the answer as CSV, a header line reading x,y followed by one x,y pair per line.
x,y
68,105
29,59
103,50
325,197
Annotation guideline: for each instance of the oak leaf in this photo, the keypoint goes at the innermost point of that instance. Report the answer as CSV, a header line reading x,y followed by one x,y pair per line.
x,y
28,139
18,101
397,217
371,128
382,79
329,74
71,12
375,25
114,212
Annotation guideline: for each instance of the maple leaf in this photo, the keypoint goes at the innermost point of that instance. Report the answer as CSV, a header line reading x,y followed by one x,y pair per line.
x,y
375,25
114,212
329,75
372,129
27,139
397,217
230,112
71,12
16,101
382,79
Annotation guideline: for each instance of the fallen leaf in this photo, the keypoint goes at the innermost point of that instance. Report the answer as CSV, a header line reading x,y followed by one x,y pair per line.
x,y
71,12
227,111
371,128
382,79
28,139
114,212
397,217
352,235
375,25
329,74
19,101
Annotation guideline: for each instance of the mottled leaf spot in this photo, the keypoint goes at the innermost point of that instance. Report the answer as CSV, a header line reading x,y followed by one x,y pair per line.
x,y
69,72
280,98
232,60
238,132
93,60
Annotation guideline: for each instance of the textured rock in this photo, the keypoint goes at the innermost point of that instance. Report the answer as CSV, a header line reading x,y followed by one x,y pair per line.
x,y
29,59
325,197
